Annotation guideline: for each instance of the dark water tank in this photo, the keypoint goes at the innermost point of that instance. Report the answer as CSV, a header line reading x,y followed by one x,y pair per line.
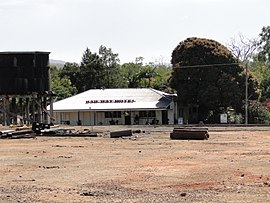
x,y
24,72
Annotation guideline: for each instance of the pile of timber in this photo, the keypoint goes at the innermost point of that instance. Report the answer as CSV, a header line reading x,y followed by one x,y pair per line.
x,y
189,133
17,134
121,133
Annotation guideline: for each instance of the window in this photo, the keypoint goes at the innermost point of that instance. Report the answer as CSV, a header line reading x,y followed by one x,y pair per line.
x,y
147,114
113,114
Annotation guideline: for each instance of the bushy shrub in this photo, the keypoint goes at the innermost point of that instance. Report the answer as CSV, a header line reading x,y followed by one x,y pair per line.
x,y
258,112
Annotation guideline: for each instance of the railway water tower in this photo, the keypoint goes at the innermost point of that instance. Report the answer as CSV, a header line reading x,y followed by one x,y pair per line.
x,y
25,89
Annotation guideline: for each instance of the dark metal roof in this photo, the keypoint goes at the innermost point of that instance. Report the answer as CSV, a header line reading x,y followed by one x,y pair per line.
x,y
23,52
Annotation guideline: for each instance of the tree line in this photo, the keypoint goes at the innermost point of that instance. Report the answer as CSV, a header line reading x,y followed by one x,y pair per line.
x,y
103,70
203,72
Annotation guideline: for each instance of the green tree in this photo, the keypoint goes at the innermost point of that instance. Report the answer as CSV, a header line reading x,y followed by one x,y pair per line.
x,y
99,70
261,71
160,81
137,75
147,74
261,63
110,62
72,72
258,112
264,42
95,71
132,74
206,74
92,71
61,85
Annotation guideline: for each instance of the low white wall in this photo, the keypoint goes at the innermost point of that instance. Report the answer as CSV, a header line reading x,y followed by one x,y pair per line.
x,y
98,118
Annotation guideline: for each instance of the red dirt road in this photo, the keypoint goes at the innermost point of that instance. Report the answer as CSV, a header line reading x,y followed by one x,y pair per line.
x,y
232,166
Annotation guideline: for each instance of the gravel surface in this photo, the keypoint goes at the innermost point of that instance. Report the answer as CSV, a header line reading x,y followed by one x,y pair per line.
x,y
231,166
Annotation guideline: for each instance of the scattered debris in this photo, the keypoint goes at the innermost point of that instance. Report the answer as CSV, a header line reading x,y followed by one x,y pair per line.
x,y
94,194
183,194
61,132
65,157
17,134
88,194
22,180
58,145
50,167
79,146
136,131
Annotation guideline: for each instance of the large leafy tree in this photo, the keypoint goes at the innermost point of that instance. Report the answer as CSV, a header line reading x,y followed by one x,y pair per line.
x,y
206,74
99,70
161,78
137,75
110,62
261,71
95,70
61,85
131,74
72,72
261,64
92,71
264,42
259,110
258,65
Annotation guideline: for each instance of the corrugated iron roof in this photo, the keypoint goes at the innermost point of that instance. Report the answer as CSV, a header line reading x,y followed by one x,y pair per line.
x,y
116,99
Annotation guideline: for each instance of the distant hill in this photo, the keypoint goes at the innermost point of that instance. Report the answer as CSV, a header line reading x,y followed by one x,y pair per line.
x,y
57,63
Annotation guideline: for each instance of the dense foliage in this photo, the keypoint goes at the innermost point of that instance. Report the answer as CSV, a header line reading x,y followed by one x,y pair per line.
x,y
103,70
136,75
261,71
259,110
62,86
264,42
255,54
206,74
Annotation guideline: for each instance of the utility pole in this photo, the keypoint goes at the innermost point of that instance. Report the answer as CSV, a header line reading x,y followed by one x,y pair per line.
x,y
246,94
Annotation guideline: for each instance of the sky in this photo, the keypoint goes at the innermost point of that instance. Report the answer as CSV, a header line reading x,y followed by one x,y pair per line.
x,y
131,28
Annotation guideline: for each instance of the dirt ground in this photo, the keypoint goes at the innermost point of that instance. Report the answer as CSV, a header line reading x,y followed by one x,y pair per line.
x,y
233,165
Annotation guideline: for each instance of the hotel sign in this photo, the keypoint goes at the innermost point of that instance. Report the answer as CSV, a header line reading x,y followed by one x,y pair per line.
x,y
110,101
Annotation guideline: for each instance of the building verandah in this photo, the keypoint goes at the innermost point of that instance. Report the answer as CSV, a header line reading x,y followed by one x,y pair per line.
x,y
119,117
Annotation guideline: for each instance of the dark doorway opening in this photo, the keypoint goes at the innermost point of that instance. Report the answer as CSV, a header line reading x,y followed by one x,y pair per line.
x,y
127,119
165,119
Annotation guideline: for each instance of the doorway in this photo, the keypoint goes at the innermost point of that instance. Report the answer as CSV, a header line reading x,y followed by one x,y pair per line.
x,y
127,119
165,119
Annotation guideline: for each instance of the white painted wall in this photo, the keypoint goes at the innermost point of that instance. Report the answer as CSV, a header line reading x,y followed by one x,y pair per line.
x,y
98,118
171,116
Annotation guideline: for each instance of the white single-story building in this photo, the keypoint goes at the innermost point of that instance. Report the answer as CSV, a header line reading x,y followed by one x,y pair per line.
x,y
117,106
